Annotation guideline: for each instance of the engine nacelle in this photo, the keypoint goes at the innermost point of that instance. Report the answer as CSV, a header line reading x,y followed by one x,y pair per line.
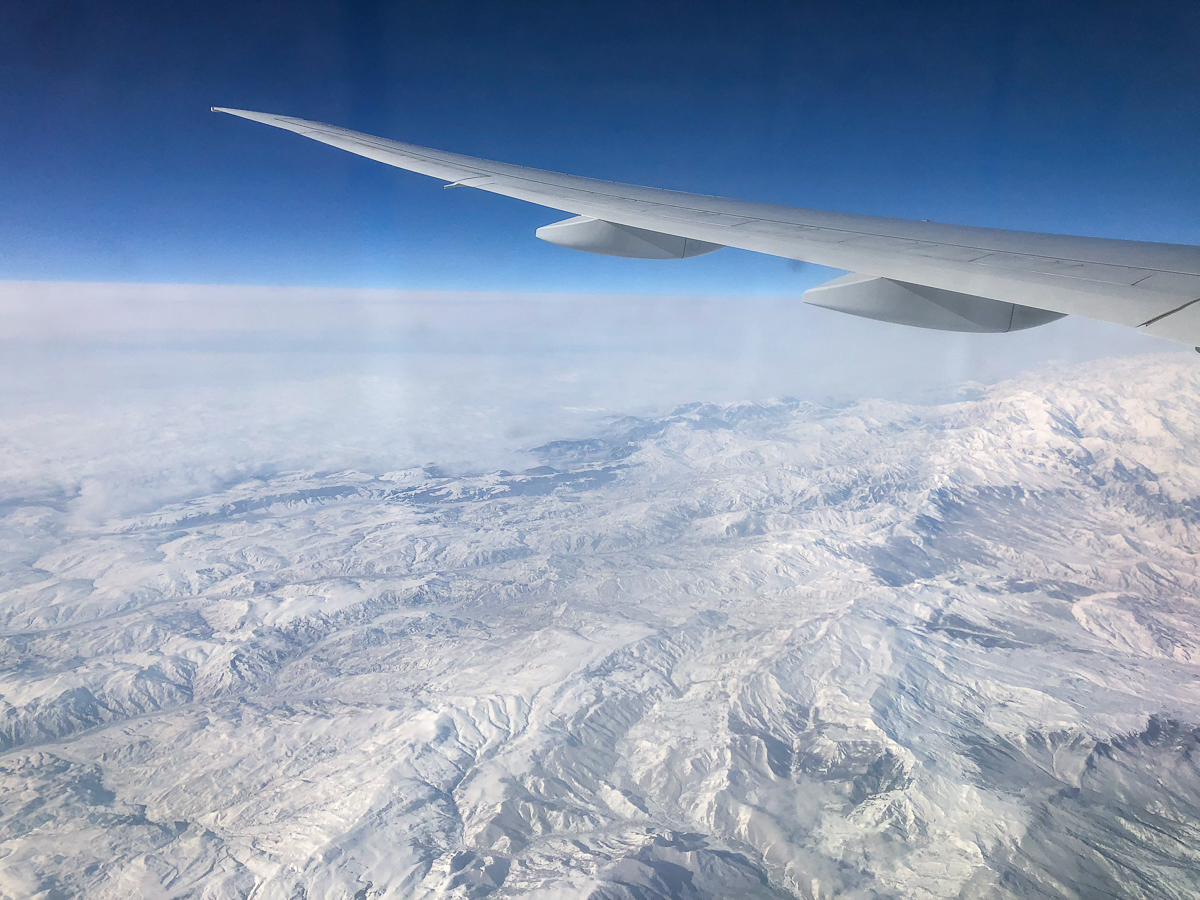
x,y
925,307
597,236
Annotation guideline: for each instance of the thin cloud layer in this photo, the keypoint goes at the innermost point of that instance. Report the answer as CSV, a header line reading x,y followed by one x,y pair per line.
x,y
119,397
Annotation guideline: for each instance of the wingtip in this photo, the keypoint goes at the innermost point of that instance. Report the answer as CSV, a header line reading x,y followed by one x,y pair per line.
x,y
252,115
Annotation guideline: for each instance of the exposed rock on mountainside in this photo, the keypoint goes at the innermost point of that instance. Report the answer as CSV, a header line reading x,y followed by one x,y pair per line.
x,y
759,650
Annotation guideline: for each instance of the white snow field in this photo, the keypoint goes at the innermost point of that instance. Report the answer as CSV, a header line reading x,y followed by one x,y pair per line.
x,y
755,650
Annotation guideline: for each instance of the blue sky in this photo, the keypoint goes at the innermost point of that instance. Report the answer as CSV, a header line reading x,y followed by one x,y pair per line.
x,y
1070,117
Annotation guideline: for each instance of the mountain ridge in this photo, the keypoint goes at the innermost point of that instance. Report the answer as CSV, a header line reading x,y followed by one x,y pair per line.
x,y
773,648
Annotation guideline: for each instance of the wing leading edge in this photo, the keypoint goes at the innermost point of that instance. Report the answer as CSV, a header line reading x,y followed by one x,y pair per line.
x,y
1155,287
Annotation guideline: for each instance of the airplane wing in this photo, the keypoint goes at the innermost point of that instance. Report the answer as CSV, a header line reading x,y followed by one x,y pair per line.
x,y
949,277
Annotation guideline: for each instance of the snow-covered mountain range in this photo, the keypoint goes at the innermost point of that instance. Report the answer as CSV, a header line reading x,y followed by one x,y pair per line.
x,y
754,650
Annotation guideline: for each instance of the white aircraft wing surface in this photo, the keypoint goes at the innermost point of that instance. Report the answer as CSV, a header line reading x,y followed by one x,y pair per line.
x,y
954,277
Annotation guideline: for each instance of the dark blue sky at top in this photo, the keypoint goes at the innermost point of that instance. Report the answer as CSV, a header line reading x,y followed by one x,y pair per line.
x,y
1069,117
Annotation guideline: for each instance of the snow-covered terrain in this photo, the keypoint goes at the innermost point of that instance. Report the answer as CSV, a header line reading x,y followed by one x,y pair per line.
x,y
749,650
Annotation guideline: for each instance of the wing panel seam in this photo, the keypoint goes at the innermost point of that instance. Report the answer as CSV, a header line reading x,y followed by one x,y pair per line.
x,y
1172,312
